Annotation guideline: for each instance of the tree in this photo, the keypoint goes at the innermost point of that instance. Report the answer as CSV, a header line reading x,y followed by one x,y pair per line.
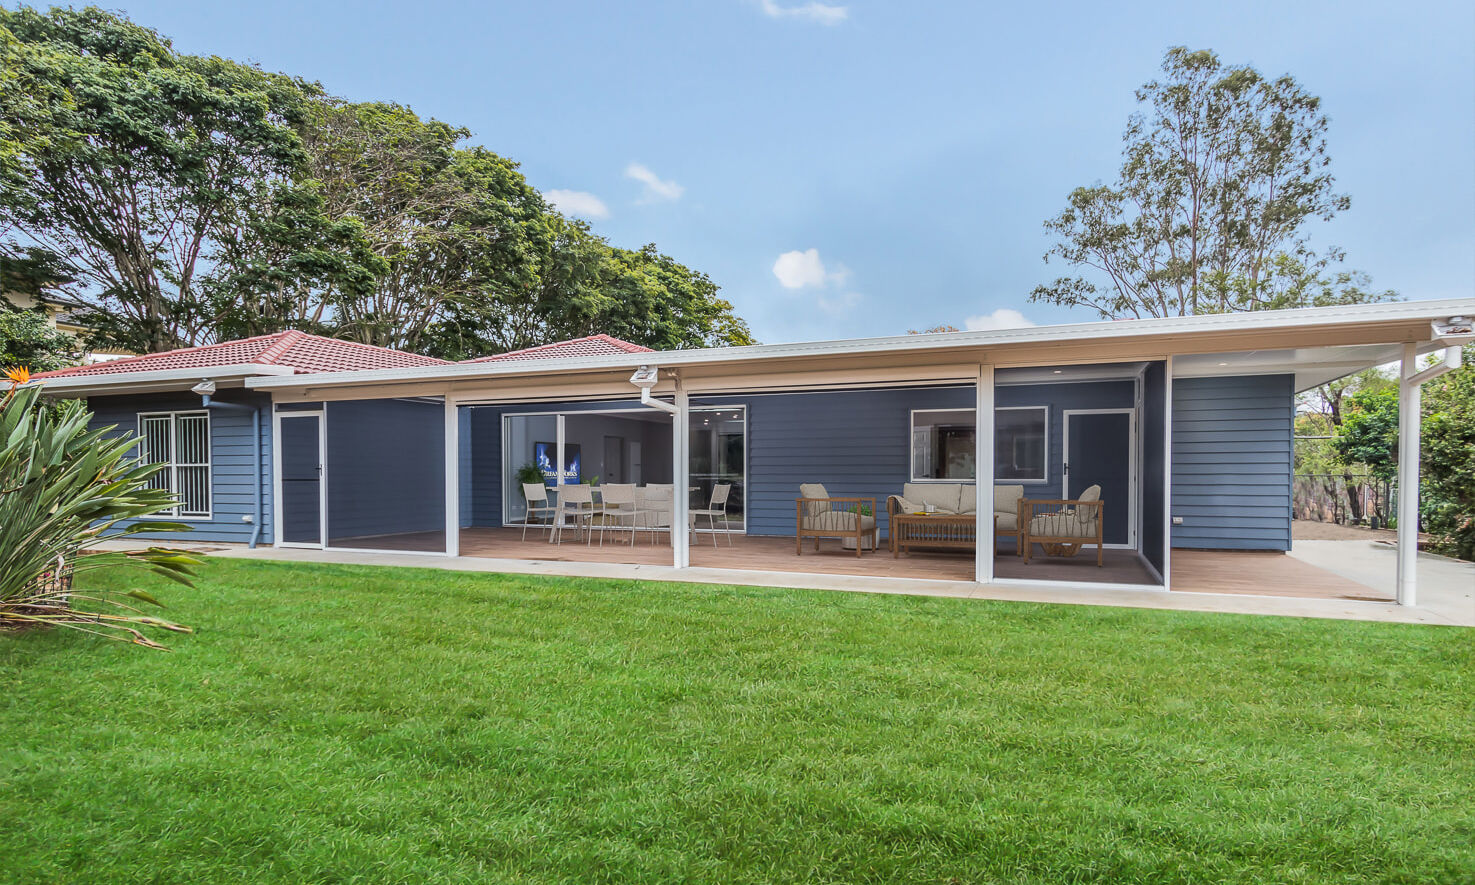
x,y
1327,407
1368,433
28,340
127,158
1448,456
1220,175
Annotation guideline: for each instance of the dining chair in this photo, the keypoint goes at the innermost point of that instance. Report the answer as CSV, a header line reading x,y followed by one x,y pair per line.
x,y
575,501
716,507
619,504
659,499
536,494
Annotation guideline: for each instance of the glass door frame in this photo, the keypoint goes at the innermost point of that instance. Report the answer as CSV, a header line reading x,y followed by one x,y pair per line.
x,y
508,491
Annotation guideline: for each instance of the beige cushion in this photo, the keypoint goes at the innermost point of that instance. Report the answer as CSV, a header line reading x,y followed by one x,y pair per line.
x,y
967,498
813,490
1006,499
905,506
838,521
941,496
1092,493
1008,522
1063,524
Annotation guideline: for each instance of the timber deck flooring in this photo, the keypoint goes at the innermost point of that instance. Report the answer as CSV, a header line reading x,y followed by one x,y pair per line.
x,y
1263,573
1194,571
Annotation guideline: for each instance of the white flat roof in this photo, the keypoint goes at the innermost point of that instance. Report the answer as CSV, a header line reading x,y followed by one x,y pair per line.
x,y
1166,329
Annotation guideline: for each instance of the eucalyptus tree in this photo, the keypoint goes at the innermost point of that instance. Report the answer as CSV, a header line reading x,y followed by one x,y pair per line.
x,y
1221,172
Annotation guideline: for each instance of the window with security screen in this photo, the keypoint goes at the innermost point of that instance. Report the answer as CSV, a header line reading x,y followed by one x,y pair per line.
x,y
181,442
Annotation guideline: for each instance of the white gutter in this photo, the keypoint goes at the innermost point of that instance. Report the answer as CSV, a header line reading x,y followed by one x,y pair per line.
x,y
159,378
1061,334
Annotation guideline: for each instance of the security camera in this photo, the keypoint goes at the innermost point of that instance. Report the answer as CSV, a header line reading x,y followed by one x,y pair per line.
x,y
1461,329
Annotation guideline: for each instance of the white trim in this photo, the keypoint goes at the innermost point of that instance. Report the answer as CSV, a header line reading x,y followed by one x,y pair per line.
x,y
746,455
1102,331
1410,397
278,523
1168,473
172,465
983,528
1132,466
183,378
680,481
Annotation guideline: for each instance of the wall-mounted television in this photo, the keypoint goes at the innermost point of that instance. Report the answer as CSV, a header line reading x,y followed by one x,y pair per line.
x,y
546,453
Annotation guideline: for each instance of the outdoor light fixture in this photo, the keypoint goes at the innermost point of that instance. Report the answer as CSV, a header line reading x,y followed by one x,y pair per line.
x,y
204,388
1461,329
645,378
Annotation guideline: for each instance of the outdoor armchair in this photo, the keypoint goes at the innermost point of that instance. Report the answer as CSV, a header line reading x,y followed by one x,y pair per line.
x,y
1063,526
818,514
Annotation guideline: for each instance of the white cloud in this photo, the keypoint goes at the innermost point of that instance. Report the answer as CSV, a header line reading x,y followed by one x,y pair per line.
x,y
655,187
580,203
796,270
821,13
1003,318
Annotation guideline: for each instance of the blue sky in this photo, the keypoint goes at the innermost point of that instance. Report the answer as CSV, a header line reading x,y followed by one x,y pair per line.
x,y
916,147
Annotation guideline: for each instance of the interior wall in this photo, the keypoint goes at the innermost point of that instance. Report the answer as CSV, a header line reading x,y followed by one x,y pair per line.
x,y
385,467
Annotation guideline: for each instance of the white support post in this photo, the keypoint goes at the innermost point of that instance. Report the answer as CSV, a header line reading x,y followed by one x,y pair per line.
x,y
983,430
1168,473
1410,394
453,478
681,476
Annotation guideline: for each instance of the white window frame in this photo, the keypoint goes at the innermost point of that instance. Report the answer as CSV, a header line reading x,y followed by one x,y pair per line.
x,y
172,465
911,452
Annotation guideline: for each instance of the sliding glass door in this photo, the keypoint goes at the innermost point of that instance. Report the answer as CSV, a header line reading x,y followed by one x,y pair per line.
x,y
719,456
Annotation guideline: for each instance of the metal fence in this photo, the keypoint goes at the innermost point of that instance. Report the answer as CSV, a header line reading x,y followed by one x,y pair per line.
x,y
1335,497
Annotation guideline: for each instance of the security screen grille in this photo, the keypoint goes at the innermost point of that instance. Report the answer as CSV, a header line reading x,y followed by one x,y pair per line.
x,y
181,442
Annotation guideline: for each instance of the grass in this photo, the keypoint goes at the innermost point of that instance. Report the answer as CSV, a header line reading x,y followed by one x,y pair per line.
x,y
352,724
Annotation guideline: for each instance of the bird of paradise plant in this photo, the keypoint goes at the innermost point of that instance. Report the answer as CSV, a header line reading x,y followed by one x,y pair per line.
x,y
63,488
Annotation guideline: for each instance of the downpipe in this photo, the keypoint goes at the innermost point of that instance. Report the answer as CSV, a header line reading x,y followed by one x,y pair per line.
x,y
255,458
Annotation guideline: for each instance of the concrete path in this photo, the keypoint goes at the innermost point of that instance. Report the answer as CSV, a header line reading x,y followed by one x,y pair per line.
x,y
1446,593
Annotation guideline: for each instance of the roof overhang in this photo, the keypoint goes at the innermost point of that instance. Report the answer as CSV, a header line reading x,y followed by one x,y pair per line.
x,y
162,380
923,356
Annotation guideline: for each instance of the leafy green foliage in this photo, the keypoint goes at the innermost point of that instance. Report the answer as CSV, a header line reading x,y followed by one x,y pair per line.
x,y
1219,176
62,489
132,158
1448,460
422,725
28,340
1369,432
196,199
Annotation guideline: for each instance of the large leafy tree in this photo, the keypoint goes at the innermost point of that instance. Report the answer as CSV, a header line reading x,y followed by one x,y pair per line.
x,y
1448,434
1221,172
130,158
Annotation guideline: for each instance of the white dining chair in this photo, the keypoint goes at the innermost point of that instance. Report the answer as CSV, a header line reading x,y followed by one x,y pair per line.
x,y
716,507
620,508
536,495
576,502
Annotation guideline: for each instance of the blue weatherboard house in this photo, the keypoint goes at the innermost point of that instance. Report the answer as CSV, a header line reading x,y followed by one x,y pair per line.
x,y
1104,450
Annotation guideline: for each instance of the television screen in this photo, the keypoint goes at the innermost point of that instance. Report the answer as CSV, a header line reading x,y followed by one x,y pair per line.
x,y
546,453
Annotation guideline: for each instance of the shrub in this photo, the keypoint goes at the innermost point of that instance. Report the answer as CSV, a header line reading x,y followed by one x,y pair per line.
x,y
63,488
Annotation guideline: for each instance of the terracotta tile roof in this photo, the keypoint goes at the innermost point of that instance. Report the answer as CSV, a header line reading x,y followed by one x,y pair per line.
x,y
593,345
296,350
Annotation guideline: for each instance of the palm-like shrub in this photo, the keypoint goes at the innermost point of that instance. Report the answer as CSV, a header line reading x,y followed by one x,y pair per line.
x,y
63,488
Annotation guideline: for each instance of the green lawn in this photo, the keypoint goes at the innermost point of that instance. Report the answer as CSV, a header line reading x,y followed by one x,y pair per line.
x,y
337,724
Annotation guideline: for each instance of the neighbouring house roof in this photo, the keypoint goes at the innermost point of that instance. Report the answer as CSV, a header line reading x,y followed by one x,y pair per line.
x,y
574,348
296,351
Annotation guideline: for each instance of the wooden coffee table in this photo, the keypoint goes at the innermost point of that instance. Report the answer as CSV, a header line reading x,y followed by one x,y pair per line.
x,y
951,530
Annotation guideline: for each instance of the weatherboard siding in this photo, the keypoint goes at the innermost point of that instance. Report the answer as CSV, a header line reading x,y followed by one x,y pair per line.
x,y
234,475
1232,462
